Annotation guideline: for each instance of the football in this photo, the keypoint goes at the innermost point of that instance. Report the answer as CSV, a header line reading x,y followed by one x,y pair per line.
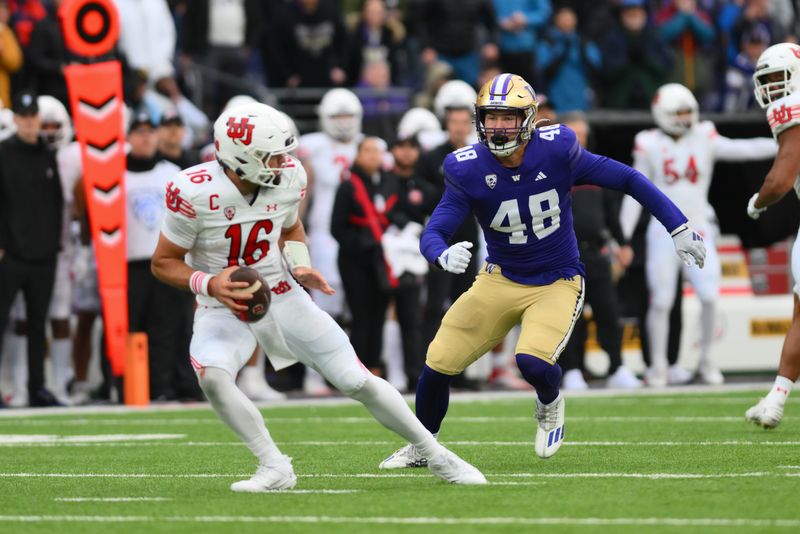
x,y
257,306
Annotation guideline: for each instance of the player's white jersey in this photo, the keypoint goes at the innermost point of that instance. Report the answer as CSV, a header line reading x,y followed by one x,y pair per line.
x,y
70,170
783,114
207,215
330,161
682,168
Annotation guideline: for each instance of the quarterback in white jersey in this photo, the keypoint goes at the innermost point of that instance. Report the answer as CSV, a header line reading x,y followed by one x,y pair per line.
x,y
777,89
243,210
679,158
327,156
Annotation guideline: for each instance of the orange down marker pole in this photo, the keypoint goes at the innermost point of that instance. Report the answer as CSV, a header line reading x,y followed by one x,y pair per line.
x,y
91,28
136,387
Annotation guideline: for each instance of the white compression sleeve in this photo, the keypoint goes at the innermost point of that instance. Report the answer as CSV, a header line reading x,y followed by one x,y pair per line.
x,y
388,407
238,412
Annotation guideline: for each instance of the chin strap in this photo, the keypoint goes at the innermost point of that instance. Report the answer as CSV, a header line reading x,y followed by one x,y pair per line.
x,y
296,254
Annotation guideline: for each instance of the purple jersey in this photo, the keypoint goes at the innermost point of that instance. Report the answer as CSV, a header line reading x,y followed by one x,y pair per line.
x,y
526,212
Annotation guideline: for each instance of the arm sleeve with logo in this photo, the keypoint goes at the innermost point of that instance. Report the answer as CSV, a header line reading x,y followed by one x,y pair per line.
x,y
180,224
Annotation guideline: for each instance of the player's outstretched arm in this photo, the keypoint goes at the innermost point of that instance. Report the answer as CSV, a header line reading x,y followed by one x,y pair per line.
x,y
781,177
754,148
293,244
168,266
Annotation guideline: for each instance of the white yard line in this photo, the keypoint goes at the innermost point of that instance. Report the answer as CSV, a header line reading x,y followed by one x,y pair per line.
x,y
417,474
19,440
576,521
673,395
21,443
111,499
369,420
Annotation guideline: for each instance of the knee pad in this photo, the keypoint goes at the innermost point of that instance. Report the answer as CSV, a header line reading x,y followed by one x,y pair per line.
x,y
344,370
212,379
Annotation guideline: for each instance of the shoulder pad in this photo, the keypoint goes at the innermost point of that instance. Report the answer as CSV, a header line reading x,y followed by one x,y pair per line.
x,y
784,114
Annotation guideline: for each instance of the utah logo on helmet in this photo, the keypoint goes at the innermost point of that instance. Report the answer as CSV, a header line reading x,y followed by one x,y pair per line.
x,y
246,137
506,93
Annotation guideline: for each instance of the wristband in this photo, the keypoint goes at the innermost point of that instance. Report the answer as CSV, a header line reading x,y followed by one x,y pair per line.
x,y
296,254
198,283
679,229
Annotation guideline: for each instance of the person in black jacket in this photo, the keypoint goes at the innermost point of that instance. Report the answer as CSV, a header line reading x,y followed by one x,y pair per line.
x,y
365,206
30,234
444,286
595,215
417,199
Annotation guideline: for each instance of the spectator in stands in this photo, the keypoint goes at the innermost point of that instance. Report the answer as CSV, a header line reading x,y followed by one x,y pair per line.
x,y
47,56
147,36
595,214
739,86
383,105
365,206
567,62
10,55
314,44
737,17
220,35
373,40
690,31
451,31
636,60
171,133
521,23
154,308
30,234
169,97
417,198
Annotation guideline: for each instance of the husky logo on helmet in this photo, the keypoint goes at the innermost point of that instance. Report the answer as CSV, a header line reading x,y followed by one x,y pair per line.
x,y
506,93
241,130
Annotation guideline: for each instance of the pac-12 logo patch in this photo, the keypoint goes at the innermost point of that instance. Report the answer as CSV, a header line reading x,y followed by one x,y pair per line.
x,y
491,180
241,130
230,212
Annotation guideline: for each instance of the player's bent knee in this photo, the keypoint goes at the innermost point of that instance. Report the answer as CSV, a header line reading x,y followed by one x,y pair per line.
x,y
442,367
212,379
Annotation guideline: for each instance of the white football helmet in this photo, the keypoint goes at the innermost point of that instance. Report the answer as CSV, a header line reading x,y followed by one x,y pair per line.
x,y
417,120
246,137
454,94
669,100
239,100
340,114
784,59
52,111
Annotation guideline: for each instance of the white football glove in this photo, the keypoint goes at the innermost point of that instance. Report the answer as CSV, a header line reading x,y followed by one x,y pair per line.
x,y
456,258
752,211
689,246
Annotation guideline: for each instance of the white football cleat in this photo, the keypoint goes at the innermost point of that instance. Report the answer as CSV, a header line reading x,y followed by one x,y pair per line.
x,y
255,387
623,378
404,457
573,381
655,377
677,375
274,475
766,413
550,427
448,466
710,374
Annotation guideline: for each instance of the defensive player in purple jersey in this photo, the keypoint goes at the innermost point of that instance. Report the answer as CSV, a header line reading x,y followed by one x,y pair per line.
x,y
517,182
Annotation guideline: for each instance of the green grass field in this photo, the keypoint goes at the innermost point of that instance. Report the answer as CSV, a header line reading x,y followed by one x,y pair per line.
x,y
647,463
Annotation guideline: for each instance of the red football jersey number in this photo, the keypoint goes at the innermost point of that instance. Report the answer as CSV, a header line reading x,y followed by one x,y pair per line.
x,y
254,244
672,175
